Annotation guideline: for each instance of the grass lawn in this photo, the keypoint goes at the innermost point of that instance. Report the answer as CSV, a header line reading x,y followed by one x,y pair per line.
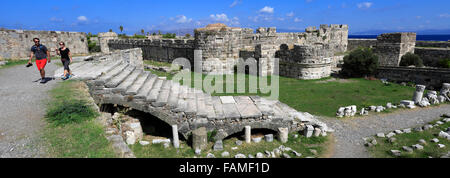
x,y
382,149
13,63
72,131
324,96
300,144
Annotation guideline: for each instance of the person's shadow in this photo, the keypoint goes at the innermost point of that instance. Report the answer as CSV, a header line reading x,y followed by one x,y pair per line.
x,y
46,79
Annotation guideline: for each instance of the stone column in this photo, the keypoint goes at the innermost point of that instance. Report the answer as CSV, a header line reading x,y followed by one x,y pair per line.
x,y
418,94
176,141
248,134
199,138
283,134
317,132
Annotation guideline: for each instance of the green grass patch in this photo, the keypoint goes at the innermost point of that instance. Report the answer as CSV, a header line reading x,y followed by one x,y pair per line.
x,y
13,63
72,131
300,144
324,96
157,63
382,149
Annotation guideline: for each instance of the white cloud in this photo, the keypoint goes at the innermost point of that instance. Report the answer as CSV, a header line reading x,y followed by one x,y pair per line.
x,y
267,9
82,18
182,19
297,19
446,15
235,3
220,17
290,14
365,5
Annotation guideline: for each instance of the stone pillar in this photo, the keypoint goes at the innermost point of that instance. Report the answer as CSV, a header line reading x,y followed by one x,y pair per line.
x,y
418,94
104,38
317,132
176,141
199,138
308,131
283,134
248,134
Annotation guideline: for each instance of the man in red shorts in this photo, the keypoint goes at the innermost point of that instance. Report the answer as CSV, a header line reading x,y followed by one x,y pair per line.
x,y
41,53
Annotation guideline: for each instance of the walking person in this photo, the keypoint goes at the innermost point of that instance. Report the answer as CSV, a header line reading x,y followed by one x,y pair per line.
x,y
66,59
42,54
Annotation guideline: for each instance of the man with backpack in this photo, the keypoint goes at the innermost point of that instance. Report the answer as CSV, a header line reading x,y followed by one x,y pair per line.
x,y
42,54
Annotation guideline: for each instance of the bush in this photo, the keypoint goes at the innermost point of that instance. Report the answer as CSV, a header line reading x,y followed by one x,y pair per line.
x,y
169,35
411,59
359,63
444,63
70,111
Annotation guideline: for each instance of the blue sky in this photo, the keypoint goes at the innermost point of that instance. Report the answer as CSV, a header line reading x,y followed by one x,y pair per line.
x,y
150,15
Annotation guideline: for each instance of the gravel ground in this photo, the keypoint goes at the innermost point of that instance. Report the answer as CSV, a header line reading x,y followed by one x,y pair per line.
x,y
350,131
22,106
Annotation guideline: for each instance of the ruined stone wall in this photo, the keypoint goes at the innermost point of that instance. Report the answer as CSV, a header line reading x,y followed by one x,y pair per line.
x,y
104,39
305,62
16,44
431,77
165,50
431,56
392,46
364,43
433,44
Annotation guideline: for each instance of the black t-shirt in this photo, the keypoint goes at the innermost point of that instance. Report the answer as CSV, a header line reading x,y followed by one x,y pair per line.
x,y
39,51
64,53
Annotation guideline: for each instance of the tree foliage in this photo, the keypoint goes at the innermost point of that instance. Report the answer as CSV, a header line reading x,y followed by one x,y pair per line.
x,y
359,63
411,59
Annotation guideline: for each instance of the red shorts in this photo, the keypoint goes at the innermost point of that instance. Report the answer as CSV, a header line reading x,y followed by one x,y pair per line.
x,y
40,63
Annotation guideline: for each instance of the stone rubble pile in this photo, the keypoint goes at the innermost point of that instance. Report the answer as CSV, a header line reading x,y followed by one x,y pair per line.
x,y
419,99
371,141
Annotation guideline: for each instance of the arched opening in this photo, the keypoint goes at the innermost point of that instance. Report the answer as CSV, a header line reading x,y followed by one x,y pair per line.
x,y
152,126
256,132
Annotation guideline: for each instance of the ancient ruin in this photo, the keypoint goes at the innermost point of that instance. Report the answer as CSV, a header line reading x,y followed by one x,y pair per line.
x,y
307,55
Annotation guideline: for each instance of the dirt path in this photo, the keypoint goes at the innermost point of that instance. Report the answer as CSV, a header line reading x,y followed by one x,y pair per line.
x,y
22,106
350,131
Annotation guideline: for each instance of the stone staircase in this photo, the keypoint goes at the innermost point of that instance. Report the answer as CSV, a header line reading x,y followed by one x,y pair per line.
x,y
116,78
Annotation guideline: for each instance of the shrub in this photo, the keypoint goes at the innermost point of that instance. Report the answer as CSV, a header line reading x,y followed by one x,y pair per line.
x,y
360,62
169,35
411,59
444,63
70,111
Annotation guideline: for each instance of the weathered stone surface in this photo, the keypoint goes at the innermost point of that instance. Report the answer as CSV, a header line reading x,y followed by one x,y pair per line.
x,y
176,141
248,134
396,152
268,137
199,138
218,145
257,139
418,147
259,155
418,94
239,156
381,135
144,143
225,154
308,131
210,155
283,134
407,149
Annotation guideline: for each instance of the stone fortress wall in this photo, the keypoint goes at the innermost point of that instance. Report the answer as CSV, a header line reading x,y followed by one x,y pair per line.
x,y
390,47
16,44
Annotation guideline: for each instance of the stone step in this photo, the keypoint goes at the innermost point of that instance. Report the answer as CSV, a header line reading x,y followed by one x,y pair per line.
x,y
264,105
86,72
278,112
230,111
201,106
154,92
218,108
191,108
164,93
82,70
173,97
133,90
111,74
246,107
129,80
210,113
148,85
115,81
107,66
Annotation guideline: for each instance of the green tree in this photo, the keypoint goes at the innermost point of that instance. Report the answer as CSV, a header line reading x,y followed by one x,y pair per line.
x,y
359,63
187,35
411,59
121,29
142,31
110,30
